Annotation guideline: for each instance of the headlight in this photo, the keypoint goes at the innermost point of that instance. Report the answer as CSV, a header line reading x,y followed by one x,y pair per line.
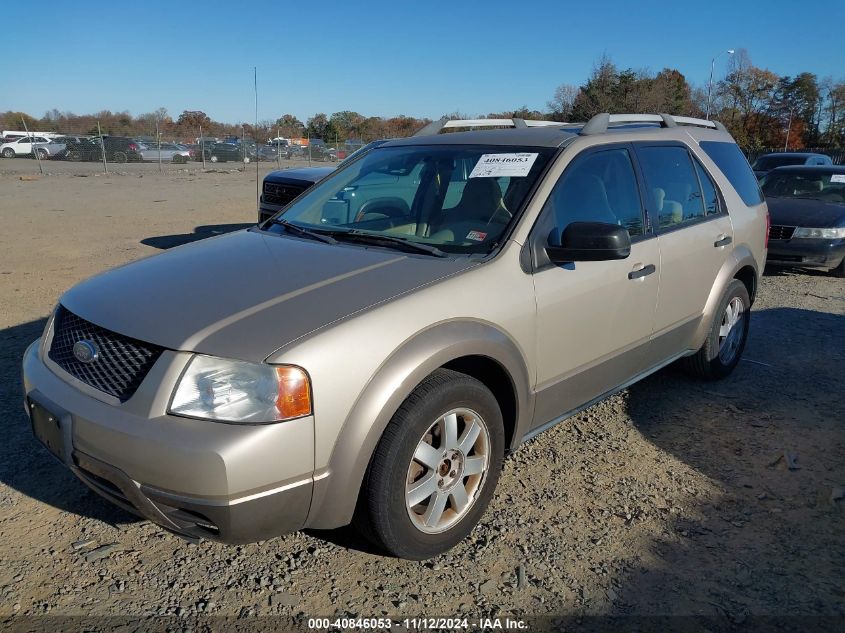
x,y
823,234
236,391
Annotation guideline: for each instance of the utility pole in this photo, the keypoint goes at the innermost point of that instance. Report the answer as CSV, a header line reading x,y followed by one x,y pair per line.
x,y
730,51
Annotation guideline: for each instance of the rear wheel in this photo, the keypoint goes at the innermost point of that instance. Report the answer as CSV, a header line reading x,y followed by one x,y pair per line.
x,y
119,157
42,153
246,159
726,340
435,468
74,155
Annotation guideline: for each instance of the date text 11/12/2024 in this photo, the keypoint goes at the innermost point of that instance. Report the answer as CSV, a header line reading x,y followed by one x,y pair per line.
x,y
485,624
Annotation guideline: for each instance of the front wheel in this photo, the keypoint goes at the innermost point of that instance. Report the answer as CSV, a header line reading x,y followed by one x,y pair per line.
x,y
435,468
213,158
8,153
727,337
120,157
839,271
42,154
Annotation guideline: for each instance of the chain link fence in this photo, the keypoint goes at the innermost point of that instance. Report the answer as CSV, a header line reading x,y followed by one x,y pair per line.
x,y
91,146
86,149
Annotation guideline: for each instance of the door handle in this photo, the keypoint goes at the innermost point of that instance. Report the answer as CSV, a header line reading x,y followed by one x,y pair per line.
x,y
642,272
723,241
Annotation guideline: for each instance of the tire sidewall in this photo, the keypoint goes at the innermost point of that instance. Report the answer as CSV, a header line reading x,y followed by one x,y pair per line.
x,y
735,289
404,539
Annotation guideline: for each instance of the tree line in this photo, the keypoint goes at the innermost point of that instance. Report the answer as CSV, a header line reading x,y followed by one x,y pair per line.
x,y
759,108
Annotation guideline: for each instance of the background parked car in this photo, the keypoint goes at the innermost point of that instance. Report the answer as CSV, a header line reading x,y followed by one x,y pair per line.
x,y
170,152
282,186
807,210
55,148
119,149
21,147
224,152
767,162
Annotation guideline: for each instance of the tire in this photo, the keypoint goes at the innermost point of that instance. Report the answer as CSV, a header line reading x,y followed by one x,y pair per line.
x,y
246,159
839,271
43,154
213,158
8,153
723,348
119,157
384,514
74,155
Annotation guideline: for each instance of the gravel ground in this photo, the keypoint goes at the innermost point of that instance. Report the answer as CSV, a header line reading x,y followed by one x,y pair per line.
x,y
674,497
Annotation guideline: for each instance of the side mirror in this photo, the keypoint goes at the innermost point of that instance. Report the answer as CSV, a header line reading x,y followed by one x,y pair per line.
x,y
591,242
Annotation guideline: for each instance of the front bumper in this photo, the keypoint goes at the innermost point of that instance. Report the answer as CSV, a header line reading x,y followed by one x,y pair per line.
x,y
228,482
811,253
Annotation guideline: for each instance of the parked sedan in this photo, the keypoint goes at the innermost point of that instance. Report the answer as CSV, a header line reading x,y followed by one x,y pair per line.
x,y
807,208
170,152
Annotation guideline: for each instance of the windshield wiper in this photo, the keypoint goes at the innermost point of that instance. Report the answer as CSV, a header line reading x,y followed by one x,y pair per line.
x,y
295,228
360,236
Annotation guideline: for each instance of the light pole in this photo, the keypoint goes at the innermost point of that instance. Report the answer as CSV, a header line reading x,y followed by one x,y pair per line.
x,y
730,51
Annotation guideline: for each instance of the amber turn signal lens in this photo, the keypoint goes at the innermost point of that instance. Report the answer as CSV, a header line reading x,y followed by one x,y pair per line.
x,y
294,399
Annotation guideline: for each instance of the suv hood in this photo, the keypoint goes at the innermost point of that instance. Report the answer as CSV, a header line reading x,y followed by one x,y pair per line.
x,y
246,294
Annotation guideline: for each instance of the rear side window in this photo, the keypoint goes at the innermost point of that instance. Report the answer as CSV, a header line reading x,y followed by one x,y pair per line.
x,y
708,189
731,161
673,185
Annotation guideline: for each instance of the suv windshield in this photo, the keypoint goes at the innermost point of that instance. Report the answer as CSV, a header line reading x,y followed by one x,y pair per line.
x,y
806,184
458,198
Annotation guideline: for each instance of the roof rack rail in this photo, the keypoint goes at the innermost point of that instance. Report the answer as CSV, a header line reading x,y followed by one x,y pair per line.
x,y
435,127
599,123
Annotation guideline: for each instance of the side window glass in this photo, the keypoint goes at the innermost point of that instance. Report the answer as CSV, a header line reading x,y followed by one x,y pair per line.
x,y
600,187
711,198
673,186
732,163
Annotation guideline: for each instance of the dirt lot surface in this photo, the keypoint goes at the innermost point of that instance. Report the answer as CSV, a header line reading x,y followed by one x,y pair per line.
x,y
674,497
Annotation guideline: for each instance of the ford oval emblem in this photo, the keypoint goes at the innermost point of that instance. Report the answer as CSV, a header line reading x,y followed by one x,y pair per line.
x,y
85,351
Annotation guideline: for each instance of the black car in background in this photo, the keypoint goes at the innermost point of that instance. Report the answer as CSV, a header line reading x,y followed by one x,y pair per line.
x,y
118,149
767,162
226,152
282,186
807,209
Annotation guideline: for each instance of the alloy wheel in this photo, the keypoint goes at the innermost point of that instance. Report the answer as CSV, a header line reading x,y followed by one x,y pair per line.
x,y
732,330
447,471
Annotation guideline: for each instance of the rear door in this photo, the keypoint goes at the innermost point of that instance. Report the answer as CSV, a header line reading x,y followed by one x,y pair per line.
x,y
694,235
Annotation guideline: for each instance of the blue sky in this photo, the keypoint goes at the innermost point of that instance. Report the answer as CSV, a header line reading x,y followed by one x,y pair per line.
x,y
380,58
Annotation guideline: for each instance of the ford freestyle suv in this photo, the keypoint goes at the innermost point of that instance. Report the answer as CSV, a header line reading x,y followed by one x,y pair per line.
x,y
371,353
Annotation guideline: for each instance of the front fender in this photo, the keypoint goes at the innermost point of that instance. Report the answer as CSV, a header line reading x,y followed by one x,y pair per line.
x,y
336,491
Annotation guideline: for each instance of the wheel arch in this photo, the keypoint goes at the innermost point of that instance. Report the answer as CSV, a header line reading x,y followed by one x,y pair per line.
x,y
741,265
476,348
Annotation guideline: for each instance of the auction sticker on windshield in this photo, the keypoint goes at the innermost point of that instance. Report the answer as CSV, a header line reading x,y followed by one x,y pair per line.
x,y
502,165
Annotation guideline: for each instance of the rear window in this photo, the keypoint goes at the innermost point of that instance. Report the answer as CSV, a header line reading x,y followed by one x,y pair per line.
x,y
731,161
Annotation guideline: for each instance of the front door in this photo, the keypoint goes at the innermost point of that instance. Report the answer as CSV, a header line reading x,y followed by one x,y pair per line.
x,y
594,319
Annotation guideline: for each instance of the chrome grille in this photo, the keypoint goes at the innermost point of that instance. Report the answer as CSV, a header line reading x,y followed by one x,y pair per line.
x,y
121,363
278,193
777,232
